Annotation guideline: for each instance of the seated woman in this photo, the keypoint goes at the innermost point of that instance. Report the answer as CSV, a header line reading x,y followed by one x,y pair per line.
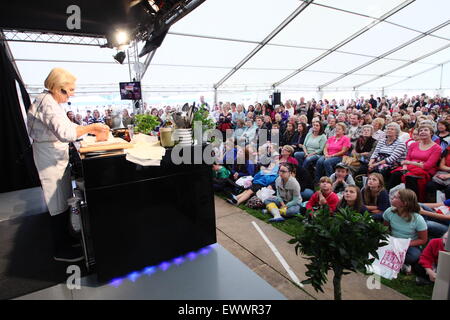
x,y
290,135
325,196
421,160
443,134
312,147
287,152
405,222
288,198
388,153
352,199
437,223
425,269
378,124
404,130
364,148
302,130
264,178
334,149
414,137
375,196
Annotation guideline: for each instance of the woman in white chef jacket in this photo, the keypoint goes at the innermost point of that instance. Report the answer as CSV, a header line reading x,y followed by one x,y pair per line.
x,y
51,131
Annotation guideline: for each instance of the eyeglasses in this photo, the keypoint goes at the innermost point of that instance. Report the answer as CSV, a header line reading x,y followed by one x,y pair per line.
x,y
284,171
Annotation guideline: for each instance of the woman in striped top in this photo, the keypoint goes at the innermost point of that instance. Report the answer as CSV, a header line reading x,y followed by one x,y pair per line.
x,y
389,152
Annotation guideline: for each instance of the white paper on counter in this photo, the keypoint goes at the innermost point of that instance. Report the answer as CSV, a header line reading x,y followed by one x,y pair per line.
x,y
141,162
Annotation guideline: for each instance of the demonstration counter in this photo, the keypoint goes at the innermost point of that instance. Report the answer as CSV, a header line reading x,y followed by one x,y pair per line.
x,y
137,216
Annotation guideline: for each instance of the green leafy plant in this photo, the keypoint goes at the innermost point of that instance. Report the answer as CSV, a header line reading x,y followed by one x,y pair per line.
x,y
145,123
340,242
201,115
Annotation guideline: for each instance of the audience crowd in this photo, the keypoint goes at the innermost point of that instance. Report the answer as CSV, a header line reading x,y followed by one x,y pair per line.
x,y
387,156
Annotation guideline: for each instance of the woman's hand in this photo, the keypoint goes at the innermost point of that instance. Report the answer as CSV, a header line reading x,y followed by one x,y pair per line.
x,y
236,176
101,131
443,176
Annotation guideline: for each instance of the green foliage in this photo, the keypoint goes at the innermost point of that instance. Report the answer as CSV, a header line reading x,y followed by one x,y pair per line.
x,y
340,242
202,115
145,123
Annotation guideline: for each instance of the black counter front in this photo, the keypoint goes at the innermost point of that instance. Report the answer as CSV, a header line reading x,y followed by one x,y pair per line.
x,y
140,216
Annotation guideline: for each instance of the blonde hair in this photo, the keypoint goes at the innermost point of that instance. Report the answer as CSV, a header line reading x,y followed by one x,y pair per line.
x,y
289,148
303,117
326,179
380,121
343,126
59,78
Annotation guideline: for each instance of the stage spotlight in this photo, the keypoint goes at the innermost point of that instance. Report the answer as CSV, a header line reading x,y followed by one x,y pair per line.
x,y
120,57
122,38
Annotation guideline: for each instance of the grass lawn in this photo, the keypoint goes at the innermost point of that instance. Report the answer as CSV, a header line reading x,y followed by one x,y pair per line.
x,y
404,284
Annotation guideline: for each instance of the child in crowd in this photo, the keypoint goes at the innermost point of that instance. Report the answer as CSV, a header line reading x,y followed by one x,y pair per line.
x,y
325,196
426,268
288,198
375,196
405,222
341,178
352,199
220,176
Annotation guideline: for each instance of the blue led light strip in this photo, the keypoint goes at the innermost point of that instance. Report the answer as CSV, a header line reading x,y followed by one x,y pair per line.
x,y
133,276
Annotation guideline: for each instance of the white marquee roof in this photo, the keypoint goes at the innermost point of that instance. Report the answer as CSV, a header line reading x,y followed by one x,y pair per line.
x,y
261,45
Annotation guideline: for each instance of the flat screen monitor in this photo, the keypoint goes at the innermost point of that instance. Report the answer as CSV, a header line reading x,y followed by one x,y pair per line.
x,y
130,90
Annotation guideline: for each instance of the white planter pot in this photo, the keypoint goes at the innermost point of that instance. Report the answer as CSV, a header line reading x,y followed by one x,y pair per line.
x,y
183,136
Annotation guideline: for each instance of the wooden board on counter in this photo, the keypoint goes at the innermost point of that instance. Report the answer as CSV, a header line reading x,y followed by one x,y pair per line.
x,y
106,147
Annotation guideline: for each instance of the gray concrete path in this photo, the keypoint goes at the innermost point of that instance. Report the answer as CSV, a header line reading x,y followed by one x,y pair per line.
x,y
237,234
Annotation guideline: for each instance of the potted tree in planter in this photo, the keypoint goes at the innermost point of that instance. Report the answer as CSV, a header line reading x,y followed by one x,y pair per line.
x,y
340,242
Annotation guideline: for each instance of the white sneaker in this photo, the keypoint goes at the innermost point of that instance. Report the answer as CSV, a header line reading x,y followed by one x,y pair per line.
x,y
406,268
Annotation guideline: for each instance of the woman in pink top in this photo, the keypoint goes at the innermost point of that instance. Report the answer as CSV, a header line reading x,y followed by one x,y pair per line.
x,y
336,147
422,161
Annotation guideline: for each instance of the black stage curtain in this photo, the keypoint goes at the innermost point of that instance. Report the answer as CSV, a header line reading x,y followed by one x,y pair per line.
x,y
16,160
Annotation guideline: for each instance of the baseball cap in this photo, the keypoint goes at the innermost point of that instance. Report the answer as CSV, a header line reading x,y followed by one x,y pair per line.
x,y
342,165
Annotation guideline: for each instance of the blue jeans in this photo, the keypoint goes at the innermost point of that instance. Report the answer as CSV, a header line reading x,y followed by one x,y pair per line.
x,y
325,167
303,161
412,255
291,211
306,194
436,227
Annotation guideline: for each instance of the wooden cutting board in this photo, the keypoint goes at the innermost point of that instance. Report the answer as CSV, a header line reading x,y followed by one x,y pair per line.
x,y
106,147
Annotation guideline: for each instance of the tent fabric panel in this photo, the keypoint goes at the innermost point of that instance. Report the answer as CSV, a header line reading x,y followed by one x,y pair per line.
x,y
237,19
319,27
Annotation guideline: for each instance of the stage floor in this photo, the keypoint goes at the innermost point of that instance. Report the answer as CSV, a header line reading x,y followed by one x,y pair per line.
x,y
213,275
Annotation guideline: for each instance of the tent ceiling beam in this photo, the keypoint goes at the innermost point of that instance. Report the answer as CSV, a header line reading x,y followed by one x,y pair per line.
x,y
282,45
148,61
277,30
418,74
46,37
404,65
344,42
387,53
